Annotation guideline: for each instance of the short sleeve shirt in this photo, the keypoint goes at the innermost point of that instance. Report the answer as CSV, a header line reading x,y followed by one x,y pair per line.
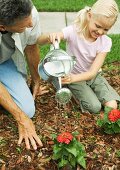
x,y
7,47
84,51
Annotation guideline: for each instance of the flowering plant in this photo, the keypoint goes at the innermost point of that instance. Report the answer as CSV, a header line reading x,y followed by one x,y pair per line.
x,y
111,121
68,150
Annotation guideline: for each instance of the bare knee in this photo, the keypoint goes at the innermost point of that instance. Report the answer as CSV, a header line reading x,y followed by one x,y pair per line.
x,y
112,104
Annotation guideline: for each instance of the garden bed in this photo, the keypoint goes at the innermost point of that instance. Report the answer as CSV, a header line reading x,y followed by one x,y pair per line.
x,y
103,150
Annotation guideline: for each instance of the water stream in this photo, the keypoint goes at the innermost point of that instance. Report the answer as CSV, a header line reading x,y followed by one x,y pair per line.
x,y
60,82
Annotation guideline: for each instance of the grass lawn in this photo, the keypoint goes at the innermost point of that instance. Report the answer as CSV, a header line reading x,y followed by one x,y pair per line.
x,y
64,5
114,55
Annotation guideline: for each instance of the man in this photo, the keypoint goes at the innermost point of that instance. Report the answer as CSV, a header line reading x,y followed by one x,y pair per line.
x,y
19,32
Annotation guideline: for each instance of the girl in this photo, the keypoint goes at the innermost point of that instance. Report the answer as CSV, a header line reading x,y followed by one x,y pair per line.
x,y
87,41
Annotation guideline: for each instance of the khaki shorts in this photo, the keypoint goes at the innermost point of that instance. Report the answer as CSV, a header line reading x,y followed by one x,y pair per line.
x,y
93,94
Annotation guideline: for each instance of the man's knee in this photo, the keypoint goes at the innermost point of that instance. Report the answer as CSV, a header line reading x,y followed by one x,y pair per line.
x,y
94,107
29,110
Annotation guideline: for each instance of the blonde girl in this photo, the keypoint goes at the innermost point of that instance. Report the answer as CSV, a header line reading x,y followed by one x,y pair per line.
x,y
87,40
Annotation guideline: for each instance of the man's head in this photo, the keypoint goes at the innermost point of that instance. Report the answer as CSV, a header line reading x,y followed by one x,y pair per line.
x,y
15,15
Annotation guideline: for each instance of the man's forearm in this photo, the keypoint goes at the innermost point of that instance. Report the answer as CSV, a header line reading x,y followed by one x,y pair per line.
x,y
7,102
33,58
43,39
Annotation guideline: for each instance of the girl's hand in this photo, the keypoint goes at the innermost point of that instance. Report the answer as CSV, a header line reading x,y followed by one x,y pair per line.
x,y
68,79
55,36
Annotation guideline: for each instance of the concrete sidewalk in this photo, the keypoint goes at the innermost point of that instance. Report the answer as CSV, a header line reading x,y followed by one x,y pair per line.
x,y
55,21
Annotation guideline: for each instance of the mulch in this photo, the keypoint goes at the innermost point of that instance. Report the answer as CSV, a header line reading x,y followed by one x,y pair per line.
x,y
103,150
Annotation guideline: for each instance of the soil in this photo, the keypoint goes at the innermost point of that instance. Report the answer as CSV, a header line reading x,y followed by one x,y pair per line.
x,y
103,150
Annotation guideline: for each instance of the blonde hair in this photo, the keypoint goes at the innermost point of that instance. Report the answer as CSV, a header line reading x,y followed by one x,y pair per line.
x,y
106,8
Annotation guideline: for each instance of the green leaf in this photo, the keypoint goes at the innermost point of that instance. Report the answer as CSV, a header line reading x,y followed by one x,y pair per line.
x,y
56,148
80,149
19,149
118,153
81,161
56,156
57,152
100,122
62,163
106,111
53,136
72,160
118,122
116,128
71,149
109,131
108,125
75,133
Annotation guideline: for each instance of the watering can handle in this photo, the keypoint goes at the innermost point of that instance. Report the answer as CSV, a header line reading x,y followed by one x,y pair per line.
x,y
55,46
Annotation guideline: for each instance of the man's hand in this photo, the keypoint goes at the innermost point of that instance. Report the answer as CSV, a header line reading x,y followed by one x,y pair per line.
x,y
28,133
25,124
38,89
33,58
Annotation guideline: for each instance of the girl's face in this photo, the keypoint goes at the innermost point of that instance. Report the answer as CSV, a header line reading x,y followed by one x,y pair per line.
x,y
98,25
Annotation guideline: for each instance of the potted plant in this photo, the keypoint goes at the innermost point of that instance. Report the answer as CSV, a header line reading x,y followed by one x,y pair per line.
x,y
68,151
111,121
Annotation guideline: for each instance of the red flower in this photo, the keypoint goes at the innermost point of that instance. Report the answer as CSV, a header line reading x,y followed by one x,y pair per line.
x,y
65,137
114,115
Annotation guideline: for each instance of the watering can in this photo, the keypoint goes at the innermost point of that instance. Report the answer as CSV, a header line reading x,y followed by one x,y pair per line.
x,y
56,64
